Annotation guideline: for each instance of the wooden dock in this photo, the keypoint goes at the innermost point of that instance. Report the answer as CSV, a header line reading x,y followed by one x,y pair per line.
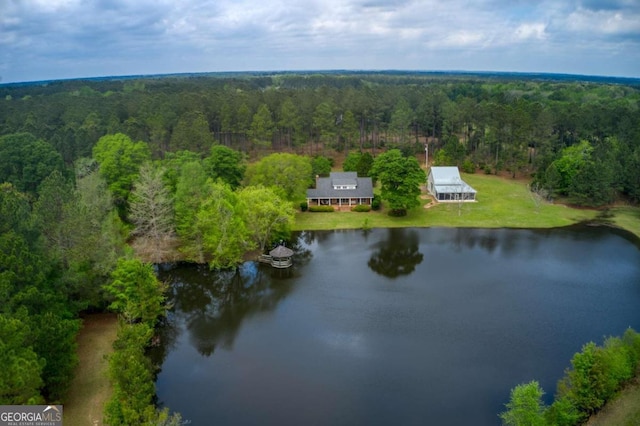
x,y
276,263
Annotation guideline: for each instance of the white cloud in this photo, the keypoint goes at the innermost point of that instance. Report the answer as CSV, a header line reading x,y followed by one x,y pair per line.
x,y
68,38
531,31
464,38
610,22
50,5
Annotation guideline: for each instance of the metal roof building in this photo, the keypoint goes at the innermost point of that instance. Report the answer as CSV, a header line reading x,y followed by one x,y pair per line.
x,y
445,184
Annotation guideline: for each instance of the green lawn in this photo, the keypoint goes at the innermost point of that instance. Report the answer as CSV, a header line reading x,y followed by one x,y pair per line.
x,y
501,203
627,218
624,410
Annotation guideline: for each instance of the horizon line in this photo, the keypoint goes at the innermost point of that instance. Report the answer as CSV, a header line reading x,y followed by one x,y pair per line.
x,y
571,76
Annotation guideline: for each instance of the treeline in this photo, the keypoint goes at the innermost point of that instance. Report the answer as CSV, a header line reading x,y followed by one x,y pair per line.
x,y
65,249
139,298
597,373
197,206
63,253
579,140
56,252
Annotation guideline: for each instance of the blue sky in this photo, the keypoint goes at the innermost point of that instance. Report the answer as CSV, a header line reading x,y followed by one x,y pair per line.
x,y
55,39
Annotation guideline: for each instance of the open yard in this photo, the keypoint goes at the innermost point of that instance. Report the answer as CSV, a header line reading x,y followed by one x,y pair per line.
x,y
502,203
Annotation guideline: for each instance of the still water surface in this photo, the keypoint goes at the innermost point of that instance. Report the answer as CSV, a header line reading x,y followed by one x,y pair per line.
x,y
392,326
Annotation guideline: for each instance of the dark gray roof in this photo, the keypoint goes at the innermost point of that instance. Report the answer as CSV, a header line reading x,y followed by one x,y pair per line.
x,y
281,251
324,186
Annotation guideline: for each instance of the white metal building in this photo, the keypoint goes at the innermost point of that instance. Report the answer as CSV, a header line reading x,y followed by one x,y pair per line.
x,y
445,184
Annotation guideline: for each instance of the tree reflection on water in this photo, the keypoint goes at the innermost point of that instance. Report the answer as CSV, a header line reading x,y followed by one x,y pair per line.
x,y
213,304
398,254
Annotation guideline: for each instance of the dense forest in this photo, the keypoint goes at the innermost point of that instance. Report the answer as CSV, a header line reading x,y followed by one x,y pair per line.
x,y
212,167
579,139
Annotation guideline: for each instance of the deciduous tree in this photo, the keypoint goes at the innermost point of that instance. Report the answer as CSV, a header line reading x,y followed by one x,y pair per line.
x,y
400,178
151,211
266,214
192,189
220,222
290,174
320,166
137,294
225,164
525,407
120,159
151,208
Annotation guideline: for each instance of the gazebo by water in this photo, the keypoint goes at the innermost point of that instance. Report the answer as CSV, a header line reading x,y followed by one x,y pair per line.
x,y
279,257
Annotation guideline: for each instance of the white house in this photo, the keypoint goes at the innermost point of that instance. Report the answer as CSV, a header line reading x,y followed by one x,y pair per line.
x,y
445,184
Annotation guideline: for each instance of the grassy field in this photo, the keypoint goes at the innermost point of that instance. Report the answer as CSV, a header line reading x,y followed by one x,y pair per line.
x,y
501,203
627,218
622,411
91,388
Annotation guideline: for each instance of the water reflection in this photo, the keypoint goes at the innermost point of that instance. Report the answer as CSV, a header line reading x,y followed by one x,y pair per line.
x,y
382,344
214,304
398,254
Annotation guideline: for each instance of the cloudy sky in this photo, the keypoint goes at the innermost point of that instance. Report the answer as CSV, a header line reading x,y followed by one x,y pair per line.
x,y
54,39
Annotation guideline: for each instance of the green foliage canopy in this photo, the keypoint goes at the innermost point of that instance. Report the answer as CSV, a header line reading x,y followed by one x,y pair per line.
x,y
137,293
26,161
290,174
400,178
120,159
525,406
225,164
266,215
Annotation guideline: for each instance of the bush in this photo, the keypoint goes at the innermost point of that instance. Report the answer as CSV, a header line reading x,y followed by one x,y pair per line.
x,y
376,203
321,209
398,212
596,374
562,413
304,206
361,208
468,166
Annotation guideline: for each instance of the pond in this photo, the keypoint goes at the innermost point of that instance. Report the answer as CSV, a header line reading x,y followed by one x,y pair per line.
x,y
392,326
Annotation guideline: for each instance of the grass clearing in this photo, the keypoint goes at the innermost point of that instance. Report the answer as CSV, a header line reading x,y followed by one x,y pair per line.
x,y
501,203
628,218
624,410
91,387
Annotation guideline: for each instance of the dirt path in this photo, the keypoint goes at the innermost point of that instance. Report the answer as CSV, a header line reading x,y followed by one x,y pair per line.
x,y
90,388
